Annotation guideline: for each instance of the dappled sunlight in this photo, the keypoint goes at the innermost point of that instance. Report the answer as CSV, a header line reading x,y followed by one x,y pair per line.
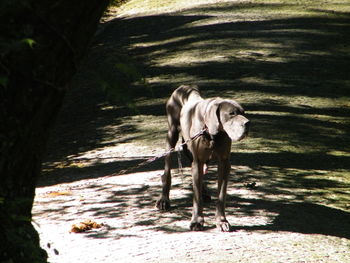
x,y
276,62
136,8
161,42
191,57
286,63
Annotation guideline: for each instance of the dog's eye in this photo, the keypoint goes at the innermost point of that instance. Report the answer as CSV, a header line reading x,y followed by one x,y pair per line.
x,y
233,113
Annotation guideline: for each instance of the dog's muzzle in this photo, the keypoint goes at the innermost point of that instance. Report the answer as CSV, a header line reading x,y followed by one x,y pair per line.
x,y
237,129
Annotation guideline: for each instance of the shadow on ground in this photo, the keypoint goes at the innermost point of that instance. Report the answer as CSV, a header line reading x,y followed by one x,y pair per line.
x,y
284,68
303,218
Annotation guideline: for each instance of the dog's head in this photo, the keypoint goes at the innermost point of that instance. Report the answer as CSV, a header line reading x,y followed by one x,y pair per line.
x,y
228,116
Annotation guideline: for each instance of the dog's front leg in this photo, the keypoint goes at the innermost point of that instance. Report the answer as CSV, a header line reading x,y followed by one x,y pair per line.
x,y
224,167
163,203
197,222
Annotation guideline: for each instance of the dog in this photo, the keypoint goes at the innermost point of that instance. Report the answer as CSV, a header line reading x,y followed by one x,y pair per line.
x,y
209,126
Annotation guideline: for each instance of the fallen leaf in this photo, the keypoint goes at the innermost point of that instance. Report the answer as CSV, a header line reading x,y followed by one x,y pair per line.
x,y
84,226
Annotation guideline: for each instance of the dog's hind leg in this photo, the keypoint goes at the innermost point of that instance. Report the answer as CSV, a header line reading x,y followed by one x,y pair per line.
x,y
163,202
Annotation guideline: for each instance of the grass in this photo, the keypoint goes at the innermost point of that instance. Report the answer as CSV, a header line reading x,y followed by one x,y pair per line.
x,y
286,62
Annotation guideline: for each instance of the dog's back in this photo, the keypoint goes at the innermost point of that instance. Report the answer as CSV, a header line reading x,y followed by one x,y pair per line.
x,y
182,94
178,98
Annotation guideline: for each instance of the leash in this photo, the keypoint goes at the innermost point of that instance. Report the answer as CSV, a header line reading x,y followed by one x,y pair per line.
x,y
179,163
152,159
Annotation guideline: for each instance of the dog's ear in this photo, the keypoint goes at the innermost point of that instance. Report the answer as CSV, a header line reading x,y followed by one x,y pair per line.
x,y
211,118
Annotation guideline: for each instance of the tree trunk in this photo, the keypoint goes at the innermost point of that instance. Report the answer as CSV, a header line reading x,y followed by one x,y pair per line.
x,y
41,43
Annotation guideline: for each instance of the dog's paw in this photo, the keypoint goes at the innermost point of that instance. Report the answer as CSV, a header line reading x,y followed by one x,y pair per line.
x,y
163,204
224,226
197,224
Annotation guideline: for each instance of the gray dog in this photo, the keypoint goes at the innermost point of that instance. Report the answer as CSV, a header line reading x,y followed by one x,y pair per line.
x,y
222,122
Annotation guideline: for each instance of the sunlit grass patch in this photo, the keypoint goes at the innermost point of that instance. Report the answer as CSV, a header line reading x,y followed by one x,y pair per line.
x,y
243,8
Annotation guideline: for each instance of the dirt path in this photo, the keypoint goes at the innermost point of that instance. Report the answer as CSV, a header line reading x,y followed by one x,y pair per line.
x,y
136,232
299,210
